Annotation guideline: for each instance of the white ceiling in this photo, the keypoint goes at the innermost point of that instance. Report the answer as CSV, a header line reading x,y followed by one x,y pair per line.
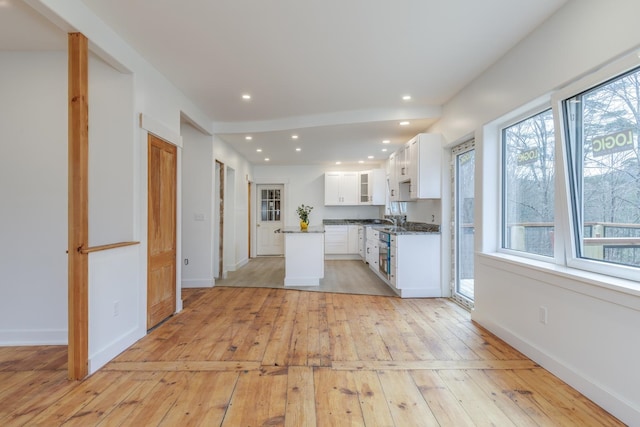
x,y
331,71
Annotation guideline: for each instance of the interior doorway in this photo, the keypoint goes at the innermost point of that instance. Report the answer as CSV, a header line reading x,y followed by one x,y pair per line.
x,y
269,219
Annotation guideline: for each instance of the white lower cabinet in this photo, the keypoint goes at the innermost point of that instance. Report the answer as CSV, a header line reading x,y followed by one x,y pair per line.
x,y
415,265
341,240
371,252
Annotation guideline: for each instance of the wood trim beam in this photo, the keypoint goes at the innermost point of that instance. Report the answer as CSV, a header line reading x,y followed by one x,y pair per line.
x,y
107,247
78,349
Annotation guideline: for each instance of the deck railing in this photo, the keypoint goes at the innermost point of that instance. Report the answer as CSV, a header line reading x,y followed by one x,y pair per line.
x,y
607,241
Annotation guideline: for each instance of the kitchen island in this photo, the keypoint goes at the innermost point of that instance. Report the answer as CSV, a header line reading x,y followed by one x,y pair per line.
x,y
304,256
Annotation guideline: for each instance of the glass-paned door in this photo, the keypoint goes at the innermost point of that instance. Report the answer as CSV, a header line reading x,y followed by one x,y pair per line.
x,y
270,221
270,204
464,224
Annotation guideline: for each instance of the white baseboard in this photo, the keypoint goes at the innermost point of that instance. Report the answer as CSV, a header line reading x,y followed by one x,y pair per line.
x,y
338,257
237,265
104,355
419,293
198,283
34,337
602,396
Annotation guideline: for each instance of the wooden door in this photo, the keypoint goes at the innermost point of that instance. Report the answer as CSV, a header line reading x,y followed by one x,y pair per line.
x,y
161,252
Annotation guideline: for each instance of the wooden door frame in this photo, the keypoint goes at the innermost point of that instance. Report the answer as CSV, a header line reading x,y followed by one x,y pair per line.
x,y
249,207
220,210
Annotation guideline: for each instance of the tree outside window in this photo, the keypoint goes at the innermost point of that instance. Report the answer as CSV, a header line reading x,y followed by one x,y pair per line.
x,y
602,134
528,185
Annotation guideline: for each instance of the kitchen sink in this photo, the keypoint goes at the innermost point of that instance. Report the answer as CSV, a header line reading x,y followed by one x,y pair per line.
x,y
391,229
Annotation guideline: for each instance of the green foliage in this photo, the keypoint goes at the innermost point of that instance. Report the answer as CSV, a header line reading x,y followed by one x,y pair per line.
x,y
303,212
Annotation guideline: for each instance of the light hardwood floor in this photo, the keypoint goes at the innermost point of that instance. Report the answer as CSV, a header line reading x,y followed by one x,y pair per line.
x,y
344,276
266,357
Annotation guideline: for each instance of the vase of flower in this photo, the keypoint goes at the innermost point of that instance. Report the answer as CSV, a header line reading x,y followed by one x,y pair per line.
x,y
303,214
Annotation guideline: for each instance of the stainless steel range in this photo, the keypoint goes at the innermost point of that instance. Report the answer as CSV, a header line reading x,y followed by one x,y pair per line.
x,y
384,254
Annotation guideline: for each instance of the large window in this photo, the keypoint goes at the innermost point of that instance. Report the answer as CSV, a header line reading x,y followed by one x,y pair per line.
x,y
528,175
601,131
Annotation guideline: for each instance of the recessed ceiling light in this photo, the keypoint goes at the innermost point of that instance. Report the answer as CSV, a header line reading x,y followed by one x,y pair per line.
x,y
298,149
294,136
338,163
360,161
246,96
259,150
386,141
369,157
266,159
248,137
406,98
405,123
384,150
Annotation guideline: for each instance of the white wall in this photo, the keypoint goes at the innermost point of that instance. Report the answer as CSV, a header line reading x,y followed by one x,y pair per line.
x,y
589,340
113,292
36,107
33,191
111,154
197,203
305,185
199,221
236,204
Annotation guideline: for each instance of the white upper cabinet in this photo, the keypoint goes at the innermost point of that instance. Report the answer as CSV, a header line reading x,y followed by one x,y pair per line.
x,y
394,192
340,188
372,187
426,167
422,168
403,163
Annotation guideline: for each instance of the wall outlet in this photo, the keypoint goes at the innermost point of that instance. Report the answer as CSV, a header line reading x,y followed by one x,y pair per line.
x,y
116,308
543,315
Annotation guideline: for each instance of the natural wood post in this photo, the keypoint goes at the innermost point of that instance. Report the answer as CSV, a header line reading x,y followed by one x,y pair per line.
x,y
78,350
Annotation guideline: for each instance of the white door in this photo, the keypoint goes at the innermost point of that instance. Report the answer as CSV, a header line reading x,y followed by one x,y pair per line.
x,y
269,220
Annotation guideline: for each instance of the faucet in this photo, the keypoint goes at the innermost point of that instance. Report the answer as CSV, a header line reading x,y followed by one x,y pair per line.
x,y
392,221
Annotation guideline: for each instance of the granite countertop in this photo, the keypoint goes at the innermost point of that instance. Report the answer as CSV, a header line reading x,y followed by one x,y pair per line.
x,y
383,225
410,228
296,229
352,221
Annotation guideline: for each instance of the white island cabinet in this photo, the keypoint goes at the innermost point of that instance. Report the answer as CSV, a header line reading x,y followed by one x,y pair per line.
x,y
304,256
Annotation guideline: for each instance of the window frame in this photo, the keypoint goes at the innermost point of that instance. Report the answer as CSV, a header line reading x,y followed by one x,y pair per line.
x,y
532,110
571,236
